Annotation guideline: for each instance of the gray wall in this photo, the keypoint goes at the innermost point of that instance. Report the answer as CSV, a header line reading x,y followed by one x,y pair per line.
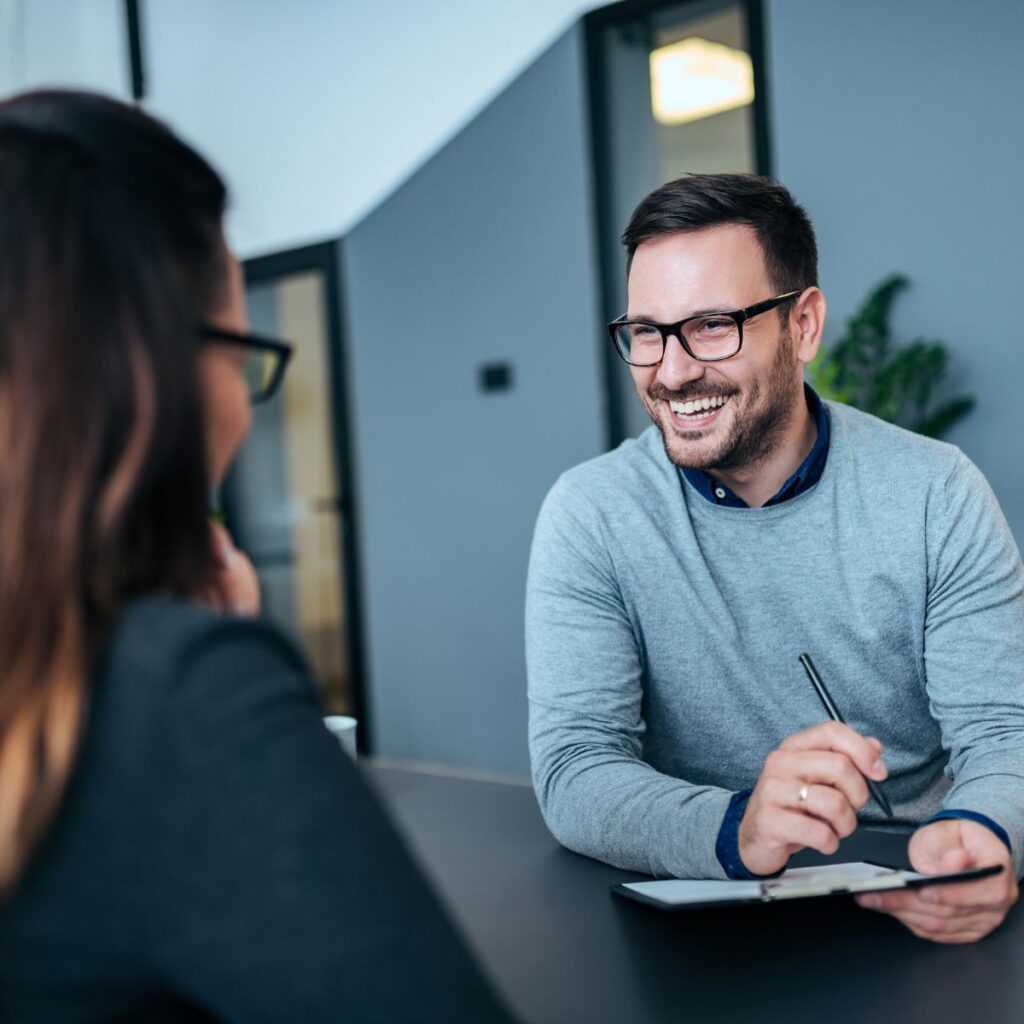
x,y
485,255
898,125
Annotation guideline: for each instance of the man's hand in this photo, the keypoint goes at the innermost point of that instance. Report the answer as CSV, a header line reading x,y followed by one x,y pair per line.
x,y
952,913
808,795
236,588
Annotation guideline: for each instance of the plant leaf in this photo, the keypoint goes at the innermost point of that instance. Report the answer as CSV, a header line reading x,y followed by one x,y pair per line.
x,y
940,421
896,383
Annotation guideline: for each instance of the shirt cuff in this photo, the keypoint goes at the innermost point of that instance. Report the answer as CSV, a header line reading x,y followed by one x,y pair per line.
x,y
727,846
982,819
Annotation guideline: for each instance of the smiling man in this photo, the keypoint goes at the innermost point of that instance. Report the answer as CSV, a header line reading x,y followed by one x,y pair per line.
x,y
674,582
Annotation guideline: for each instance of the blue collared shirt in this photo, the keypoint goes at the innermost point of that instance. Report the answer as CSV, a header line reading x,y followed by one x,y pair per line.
x,y
808,473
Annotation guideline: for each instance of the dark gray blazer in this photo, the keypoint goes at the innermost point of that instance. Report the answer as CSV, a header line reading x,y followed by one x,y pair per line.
x,y
217,856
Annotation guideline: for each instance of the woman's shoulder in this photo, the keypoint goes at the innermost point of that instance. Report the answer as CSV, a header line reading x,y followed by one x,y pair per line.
x,y
160,635
168,656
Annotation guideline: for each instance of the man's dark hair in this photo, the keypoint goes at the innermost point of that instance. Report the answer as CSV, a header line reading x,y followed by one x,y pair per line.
x,y
705,200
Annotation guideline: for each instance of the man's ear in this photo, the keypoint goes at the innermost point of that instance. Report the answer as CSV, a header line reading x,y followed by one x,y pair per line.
x,y
808,322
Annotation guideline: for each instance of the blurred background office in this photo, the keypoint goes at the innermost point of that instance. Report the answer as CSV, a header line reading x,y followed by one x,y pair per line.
x,y
428,197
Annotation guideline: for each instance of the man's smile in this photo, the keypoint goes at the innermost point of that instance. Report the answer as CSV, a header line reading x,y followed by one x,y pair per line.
x,y
697,411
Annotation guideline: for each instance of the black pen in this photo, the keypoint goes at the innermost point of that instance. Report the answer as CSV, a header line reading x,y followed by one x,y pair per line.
x,y
833,712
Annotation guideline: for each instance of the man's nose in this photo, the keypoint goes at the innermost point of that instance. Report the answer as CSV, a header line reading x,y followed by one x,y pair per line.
x,y
678,367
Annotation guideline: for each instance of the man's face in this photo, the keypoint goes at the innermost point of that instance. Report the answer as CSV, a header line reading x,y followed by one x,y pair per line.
x,y
714,270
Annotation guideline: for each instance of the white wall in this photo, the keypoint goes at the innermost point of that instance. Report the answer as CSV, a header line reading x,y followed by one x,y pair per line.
x,y
315,110
79,43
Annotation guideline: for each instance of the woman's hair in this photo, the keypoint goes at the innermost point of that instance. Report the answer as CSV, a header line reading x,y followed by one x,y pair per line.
x,y
110,254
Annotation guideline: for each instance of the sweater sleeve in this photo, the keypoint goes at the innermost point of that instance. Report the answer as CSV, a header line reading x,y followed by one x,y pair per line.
x,y
283,892
974,650
585,674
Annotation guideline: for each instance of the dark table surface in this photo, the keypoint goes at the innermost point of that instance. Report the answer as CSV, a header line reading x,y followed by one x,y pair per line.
x,y
562,948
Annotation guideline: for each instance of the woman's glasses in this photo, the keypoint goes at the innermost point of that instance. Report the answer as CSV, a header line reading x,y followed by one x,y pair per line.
x,y
265,362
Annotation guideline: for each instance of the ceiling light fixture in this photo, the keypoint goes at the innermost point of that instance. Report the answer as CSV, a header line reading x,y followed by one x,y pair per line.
x,y
696,78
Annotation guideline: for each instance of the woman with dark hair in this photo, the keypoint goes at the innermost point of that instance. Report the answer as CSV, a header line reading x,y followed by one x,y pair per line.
x,y
180,837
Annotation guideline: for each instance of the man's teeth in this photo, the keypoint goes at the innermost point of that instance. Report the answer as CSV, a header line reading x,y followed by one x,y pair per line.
x,y
698,405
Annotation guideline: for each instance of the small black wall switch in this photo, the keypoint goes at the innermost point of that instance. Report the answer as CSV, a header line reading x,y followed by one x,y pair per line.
x,y
496,377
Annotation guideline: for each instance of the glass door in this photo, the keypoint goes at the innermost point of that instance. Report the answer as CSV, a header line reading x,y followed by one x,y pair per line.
x,y
676,89
287,498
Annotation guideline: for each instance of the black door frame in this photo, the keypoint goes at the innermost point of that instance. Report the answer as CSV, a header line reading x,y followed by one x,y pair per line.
x,y
595,24
325,258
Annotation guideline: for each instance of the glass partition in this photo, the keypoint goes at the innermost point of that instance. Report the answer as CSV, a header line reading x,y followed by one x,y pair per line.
x,y
284,498
675,90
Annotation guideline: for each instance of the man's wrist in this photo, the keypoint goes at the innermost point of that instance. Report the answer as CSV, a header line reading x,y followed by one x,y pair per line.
x,y
958,814
727,846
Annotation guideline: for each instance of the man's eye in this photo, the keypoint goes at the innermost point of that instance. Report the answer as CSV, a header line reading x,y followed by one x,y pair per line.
x,y
714,325
644,331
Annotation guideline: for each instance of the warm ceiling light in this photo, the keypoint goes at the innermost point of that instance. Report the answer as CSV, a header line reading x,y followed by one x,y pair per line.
x,y
695,78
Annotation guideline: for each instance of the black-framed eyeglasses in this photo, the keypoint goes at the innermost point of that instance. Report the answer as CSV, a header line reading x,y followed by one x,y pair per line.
x,y
709,337
265,362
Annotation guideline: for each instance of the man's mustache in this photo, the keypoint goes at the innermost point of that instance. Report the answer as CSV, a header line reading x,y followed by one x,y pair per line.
x,y
699,389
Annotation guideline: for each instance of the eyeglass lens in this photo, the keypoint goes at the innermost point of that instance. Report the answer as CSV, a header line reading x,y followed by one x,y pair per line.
x,y
260,371
708,337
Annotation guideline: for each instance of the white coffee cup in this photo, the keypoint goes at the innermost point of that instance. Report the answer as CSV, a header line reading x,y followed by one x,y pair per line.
x,y
344,728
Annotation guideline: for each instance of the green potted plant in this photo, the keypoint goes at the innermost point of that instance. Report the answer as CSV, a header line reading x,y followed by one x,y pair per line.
x,y
897,383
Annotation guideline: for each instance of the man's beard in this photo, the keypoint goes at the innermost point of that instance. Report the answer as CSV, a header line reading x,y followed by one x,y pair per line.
x,y
755,434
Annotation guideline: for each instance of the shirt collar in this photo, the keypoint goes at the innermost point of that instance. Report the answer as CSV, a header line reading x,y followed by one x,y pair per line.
x,y
808,473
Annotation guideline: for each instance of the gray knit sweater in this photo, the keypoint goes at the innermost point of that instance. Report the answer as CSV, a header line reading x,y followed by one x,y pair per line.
x,y
663,633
